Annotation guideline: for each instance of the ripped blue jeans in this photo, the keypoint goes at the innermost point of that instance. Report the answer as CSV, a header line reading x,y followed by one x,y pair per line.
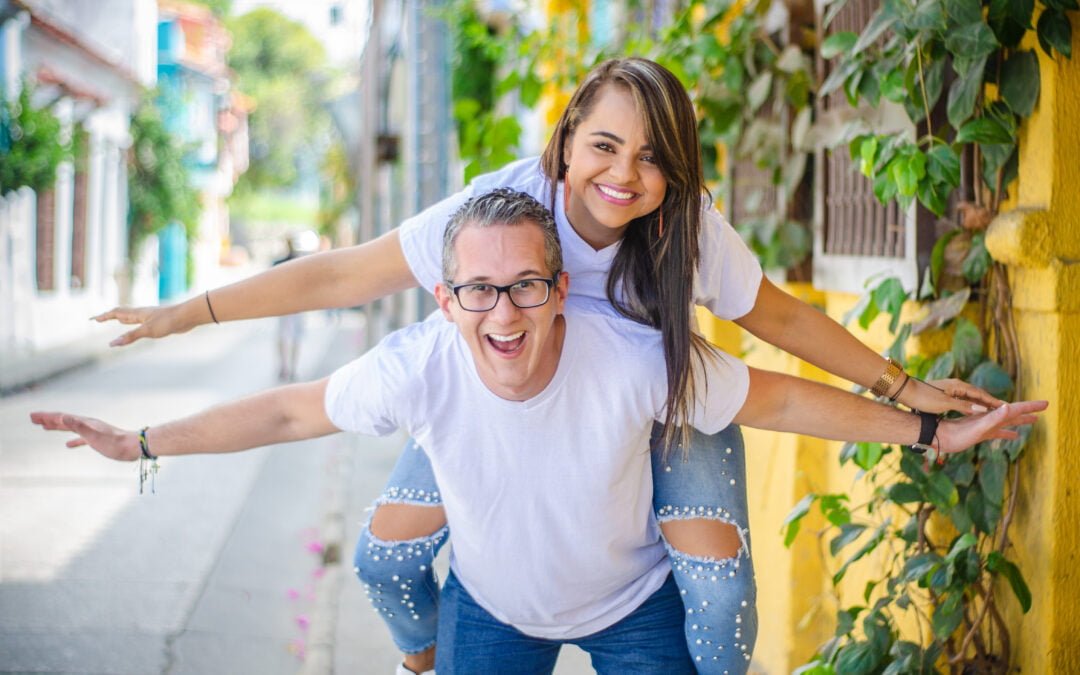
x,y
719,595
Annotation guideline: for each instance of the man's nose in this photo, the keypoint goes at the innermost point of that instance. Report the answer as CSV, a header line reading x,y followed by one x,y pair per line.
x,y
504,308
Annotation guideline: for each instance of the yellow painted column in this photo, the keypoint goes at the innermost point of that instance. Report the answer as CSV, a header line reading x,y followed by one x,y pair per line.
x,y
1040,243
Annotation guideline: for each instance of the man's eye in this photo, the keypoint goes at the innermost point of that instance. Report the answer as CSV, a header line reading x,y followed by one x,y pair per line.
x,y
525,285
478,289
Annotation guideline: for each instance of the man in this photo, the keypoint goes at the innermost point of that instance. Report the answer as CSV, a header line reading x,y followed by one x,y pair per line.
x,y
536,417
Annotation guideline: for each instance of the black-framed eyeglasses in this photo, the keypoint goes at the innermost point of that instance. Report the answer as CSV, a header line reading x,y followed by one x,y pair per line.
x,y
524,293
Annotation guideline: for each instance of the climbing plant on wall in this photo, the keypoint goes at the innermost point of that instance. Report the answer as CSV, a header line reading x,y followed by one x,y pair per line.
x,y
963,73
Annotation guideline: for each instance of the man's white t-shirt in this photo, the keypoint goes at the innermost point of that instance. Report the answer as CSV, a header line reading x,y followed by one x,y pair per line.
x,y
549,499
728,274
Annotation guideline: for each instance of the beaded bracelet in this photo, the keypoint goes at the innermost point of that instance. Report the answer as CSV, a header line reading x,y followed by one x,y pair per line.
x,y
144,457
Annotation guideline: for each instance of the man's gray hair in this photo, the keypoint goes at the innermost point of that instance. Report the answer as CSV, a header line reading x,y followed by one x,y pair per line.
x,y
502,207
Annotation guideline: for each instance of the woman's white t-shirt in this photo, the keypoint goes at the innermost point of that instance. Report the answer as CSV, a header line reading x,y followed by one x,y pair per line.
x,y
728,274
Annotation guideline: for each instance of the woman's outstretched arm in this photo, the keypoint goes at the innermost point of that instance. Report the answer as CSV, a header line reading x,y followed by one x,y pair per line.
x,y
340,278
811,335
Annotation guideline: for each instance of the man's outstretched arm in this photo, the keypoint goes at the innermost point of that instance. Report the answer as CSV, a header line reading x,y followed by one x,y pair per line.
x,y
783,403
291,413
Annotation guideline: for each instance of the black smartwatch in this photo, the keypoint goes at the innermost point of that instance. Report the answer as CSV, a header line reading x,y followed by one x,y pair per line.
x,y
927,430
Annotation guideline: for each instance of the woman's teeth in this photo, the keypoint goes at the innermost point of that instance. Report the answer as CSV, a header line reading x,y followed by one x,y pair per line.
x,y
612,192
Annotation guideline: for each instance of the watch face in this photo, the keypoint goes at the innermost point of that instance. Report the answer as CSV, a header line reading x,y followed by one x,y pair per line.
x,y
919,448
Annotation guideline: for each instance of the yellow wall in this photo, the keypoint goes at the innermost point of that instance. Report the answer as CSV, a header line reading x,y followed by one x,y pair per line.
x,y
1040,242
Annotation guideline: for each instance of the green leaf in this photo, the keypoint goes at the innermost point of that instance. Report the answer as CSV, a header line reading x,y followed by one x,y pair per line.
x,y
918,566
795,517
998,564
962,543
837,43
832,506
986,130
857,658
977,261
903,174
993,466
531,88
947,616
963,12
868,155
759,90
904,493
848,533
1063,5
928,15
867,547
933,196
815,667
943,165
982,514
961,468
1020,82
944,366
993,378
972,40
967,346
960,517
963,94
867,455
1055,32
892,86
941,492
881,21
937,255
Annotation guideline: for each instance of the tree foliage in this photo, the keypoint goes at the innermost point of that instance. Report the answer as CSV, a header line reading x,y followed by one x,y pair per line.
x,y
159,183
31,146
280,64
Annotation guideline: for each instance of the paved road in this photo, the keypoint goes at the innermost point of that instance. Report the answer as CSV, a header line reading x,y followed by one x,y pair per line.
x,y
221,571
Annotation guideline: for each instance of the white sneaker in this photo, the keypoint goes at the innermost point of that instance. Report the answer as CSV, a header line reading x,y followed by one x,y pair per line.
x,y
402,670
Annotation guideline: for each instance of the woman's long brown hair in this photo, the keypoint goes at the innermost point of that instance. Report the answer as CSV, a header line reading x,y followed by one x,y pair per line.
x,y
655,270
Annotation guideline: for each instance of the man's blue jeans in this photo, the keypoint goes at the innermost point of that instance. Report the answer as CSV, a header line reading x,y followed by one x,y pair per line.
x,y
648,641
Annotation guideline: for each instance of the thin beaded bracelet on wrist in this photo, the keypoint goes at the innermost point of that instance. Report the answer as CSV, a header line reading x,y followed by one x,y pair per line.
x,y
144,457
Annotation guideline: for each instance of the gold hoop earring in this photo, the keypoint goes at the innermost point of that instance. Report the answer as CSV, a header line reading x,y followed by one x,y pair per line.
x,y
660,235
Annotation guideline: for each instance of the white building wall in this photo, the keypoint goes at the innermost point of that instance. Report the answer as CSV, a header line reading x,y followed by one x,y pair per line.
x,y
123,32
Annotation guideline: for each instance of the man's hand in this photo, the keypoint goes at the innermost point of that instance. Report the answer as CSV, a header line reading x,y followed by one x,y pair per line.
x,y
951,395
962,433
150,322
110,441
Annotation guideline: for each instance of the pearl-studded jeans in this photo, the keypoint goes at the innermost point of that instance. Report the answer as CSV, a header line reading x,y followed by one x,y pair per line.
x,y
719,595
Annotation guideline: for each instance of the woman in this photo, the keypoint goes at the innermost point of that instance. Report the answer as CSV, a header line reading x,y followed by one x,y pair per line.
x,y
622,173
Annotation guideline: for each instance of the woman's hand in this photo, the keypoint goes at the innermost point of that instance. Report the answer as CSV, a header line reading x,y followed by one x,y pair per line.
x,y
962,433
108,440
950,395
149,322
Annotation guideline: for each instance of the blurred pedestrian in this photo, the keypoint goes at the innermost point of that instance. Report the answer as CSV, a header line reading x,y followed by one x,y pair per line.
x,y
291,326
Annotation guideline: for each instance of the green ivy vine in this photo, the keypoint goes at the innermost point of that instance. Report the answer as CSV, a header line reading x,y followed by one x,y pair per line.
x,y
961,73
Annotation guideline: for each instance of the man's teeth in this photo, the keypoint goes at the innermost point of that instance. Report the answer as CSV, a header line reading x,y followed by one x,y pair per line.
x,y
506,338
617,194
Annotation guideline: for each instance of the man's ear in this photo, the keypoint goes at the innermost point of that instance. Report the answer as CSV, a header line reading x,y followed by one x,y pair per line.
x,y
561,290
445,297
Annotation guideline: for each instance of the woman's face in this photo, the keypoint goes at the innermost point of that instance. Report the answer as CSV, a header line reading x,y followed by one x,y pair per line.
x,y
612,174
